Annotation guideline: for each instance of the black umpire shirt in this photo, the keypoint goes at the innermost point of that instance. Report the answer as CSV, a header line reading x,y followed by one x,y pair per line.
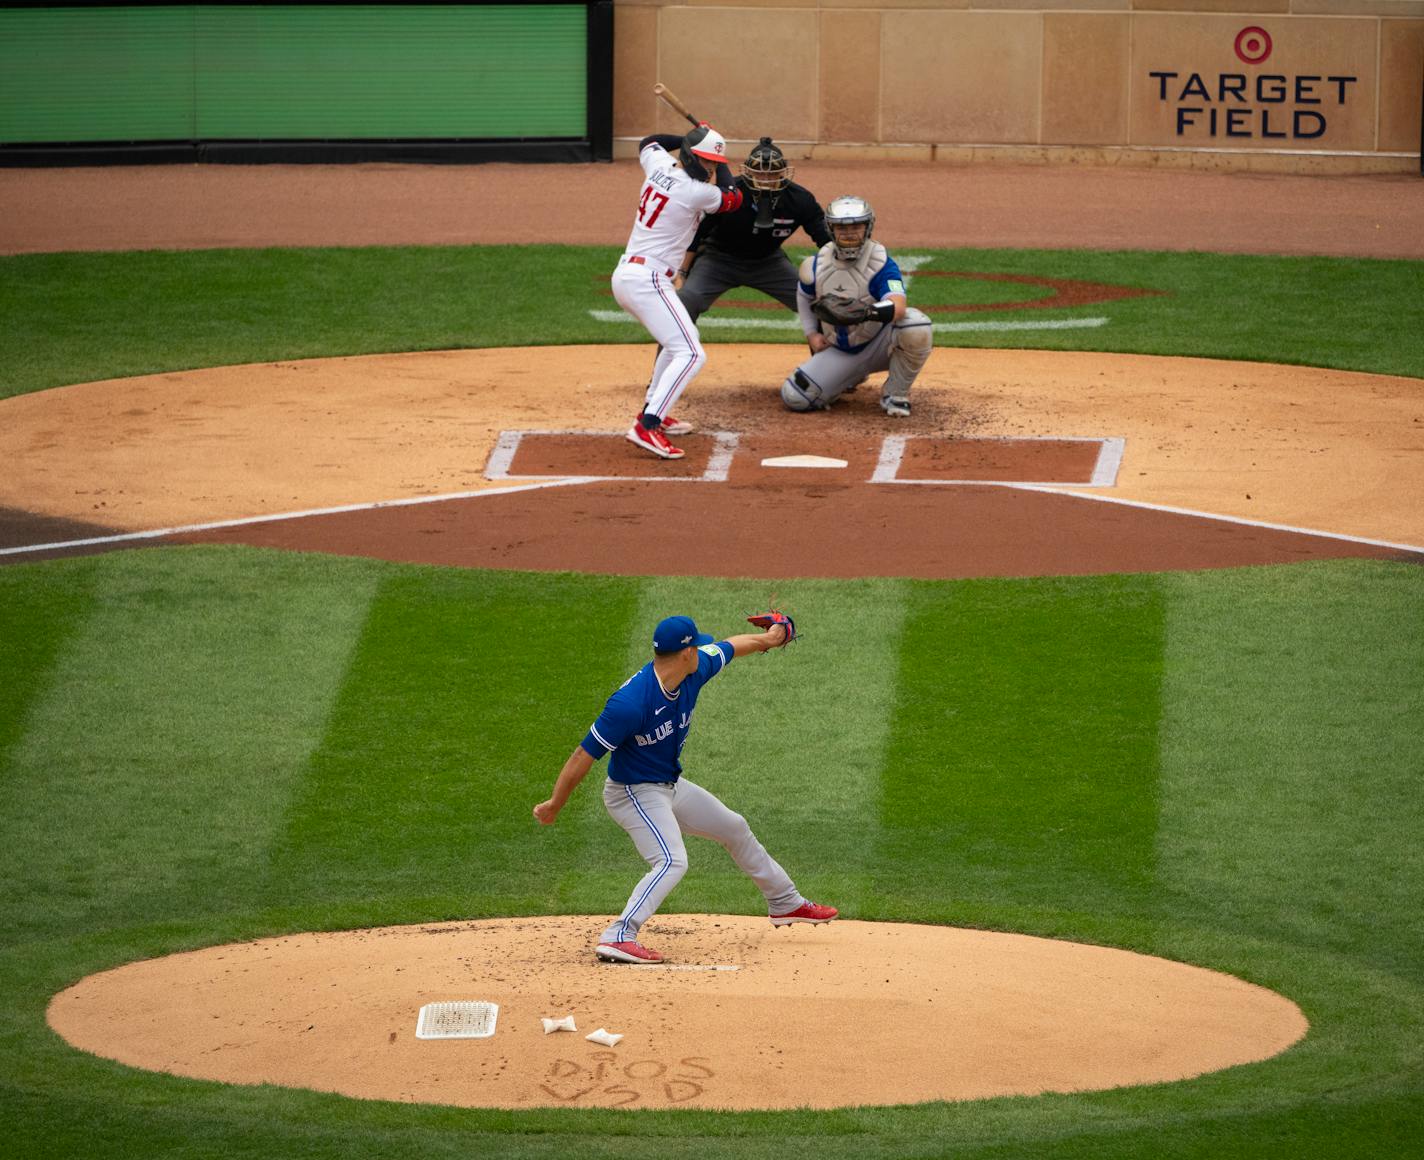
x,y
732,233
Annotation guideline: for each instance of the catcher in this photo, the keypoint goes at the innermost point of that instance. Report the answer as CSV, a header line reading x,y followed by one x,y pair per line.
x,y
644,725
851,300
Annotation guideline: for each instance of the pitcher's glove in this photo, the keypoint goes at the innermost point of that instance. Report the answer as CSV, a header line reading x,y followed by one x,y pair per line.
x,y
841,310
764,621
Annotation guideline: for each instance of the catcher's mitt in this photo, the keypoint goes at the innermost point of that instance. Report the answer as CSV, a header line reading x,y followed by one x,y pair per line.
x,y
840,310
764,620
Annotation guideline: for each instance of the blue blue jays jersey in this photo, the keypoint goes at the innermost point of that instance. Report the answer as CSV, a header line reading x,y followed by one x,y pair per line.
x,y
644,728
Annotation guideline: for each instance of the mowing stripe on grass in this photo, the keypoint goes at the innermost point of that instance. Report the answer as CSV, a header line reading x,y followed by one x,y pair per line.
x,y
36,620
456,715
156,765
1022,768
1293,725
792,739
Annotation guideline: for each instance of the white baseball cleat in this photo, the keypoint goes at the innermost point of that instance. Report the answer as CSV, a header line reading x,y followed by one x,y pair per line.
x,y
898,408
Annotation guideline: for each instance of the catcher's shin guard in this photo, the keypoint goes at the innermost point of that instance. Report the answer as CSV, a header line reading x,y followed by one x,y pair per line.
x,y
800,394
914,339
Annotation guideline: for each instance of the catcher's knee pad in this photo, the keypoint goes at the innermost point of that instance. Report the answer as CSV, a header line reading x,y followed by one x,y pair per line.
x,y
800,394
914,334
914,339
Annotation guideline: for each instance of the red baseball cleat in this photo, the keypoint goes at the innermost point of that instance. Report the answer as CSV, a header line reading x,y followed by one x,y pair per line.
x,y
807,912
626,952
673,426
654,441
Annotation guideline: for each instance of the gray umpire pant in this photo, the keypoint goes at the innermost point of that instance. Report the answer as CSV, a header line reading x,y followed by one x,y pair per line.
x,y
714,273
656,815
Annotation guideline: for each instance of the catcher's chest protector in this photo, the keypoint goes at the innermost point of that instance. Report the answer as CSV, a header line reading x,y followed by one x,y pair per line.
x,y
850,280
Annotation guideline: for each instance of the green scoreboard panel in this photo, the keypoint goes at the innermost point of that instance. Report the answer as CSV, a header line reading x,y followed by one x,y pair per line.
x,y
297,73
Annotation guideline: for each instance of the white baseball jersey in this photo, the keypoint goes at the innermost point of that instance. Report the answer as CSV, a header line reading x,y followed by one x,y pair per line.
x,y
669,209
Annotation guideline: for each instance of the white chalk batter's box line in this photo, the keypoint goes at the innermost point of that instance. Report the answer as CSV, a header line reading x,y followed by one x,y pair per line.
x,y
887,466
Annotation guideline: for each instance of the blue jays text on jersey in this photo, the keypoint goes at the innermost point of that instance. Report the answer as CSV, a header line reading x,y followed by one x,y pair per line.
x,y
644,728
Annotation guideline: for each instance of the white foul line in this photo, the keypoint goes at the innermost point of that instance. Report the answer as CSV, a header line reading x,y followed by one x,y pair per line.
x,y
159,533
939,327
1059,489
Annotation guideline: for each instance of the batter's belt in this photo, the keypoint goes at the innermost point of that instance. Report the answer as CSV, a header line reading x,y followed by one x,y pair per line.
x,y
639,260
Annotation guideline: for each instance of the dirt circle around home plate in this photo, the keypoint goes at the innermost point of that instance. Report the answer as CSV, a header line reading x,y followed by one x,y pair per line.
x,y
740,1016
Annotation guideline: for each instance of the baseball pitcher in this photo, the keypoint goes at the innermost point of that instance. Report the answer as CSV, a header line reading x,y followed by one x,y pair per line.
x,y
642,730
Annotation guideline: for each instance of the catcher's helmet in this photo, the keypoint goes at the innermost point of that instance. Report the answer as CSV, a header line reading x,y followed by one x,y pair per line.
x,y
766,167
849,211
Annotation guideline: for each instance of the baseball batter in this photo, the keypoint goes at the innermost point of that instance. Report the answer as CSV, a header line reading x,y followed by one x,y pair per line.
x,y
853,309
677,192
643,727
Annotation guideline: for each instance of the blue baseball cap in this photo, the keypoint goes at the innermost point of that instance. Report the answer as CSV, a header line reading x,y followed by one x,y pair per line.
x,y
678,632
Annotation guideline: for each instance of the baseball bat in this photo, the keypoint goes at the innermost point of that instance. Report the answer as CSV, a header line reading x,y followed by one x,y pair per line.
x,y
672,99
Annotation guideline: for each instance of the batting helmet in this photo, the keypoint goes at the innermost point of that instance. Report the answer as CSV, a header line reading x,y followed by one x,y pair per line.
x,y
849,211
766,167
704,143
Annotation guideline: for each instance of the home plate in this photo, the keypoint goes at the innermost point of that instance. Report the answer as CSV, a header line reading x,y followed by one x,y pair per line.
x,y
803,461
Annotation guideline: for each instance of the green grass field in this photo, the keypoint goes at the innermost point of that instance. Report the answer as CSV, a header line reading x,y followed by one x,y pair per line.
x,y
82,317
199,745
209,744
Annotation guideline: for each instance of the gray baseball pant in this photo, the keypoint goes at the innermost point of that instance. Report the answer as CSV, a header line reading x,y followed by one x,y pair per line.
x,y
714,273
656,815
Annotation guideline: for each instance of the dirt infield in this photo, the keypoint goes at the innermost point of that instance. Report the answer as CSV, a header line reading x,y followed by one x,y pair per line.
x,y
1273,453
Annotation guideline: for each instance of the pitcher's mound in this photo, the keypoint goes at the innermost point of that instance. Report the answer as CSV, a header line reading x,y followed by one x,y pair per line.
x,y
826,1016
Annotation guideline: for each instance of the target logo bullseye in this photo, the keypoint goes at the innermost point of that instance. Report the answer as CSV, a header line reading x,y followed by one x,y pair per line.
x,y
1253,44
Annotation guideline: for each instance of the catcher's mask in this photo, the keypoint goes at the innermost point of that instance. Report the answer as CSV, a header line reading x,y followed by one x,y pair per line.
x,y
766,168
704,143
842,216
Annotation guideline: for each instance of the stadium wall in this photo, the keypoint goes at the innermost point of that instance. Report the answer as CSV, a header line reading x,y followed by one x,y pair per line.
x,y
1277,85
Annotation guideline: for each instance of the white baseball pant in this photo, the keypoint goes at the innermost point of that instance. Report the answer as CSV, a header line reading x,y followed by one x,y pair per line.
x,y
647,293
656,815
